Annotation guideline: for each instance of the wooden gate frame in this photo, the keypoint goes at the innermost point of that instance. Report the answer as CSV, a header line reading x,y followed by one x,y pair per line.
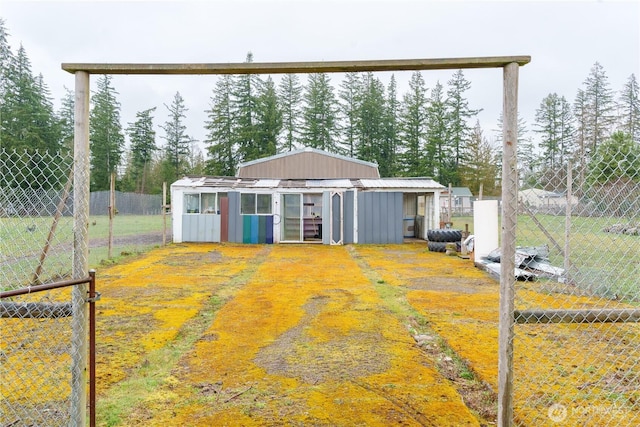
x,y
510,66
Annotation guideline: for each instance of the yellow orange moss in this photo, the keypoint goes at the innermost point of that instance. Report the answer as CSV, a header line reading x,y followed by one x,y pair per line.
x,y
308,340
553,363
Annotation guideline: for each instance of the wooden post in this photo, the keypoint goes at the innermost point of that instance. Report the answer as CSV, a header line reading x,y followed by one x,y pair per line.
x,y
112,210
52,230
164,214
449,212
480,191
508,245
79,323
567,220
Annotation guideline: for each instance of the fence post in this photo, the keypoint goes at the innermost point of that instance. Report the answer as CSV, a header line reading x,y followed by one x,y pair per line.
x,y
507,256
80,251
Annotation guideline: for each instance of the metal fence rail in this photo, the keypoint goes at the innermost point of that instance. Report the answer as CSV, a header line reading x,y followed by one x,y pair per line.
x,y
577,337
35,350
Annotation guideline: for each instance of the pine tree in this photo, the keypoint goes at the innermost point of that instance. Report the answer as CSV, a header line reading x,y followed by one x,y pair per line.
x,y
221,137
413,118
389,167
319,129
630,109
458,122
66,115
178,143
349,102
600,105
246,90
105,134
370,120
290,98
142,137
482,166
268,120
554,124
438,153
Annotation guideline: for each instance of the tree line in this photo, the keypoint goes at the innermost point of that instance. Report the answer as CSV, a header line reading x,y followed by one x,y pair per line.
x,y
425,131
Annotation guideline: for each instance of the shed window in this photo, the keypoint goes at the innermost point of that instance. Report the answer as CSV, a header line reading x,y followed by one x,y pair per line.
x,y
209,205
255,204
192,203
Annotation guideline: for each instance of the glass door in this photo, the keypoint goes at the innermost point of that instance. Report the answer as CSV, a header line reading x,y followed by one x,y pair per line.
x,y
292,217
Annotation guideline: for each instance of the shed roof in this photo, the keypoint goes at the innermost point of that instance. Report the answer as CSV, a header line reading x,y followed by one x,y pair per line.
x,y
233,183
460,192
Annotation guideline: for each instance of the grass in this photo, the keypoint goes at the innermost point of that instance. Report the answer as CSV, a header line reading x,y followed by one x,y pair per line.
x,y
24,239
602,264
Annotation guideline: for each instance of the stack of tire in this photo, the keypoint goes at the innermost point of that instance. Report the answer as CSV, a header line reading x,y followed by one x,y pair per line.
x,y
437,239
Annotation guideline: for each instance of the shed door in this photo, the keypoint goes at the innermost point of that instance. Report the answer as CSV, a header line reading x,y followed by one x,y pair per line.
x,y
291,228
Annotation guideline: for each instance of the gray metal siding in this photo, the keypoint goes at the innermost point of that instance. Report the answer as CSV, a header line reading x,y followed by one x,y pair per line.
x,y
348,216
235,219
200,228
380,217
335,215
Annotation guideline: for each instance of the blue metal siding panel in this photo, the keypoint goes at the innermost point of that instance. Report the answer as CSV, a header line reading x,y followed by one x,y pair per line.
x,y
269,230
376,236
255,228
216,228
398,217
384,217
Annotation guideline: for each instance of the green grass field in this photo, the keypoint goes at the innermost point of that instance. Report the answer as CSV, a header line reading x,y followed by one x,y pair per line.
x,y
22,241
602,263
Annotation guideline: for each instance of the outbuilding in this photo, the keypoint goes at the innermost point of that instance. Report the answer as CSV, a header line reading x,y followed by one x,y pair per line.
x,y
304,196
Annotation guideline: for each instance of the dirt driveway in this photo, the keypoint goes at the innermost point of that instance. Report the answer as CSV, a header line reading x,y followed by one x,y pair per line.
x,y
268,335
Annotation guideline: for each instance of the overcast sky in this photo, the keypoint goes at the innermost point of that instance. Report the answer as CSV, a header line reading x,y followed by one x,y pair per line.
x,y
564,40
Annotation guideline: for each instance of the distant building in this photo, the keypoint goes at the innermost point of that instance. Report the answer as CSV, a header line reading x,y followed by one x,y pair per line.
x,y
461,201
304,196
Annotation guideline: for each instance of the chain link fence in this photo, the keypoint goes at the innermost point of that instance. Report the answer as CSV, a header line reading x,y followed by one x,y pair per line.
x,y
36,247
577,298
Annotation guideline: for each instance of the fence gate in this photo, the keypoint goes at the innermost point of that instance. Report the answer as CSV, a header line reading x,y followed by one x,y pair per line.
x,y
577,336
44,315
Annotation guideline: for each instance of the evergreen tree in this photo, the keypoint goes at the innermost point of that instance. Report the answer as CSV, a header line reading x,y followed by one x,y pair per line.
x,y
482,166
580,114
269,120
290,98
221,137
438,154
616,159
349,102
389,167
554,124
105,134
413,119
247,88
66,115
600,106
458,122
6,69
370,120
630,109
319,129
178,143
142,137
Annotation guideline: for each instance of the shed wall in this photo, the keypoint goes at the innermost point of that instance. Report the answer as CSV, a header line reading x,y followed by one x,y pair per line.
x,y
380,217
308,165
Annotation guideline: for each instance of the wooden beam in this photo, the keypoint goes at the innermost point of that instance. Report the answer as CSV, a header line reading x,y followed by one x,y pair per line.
x,y
298,67
578,316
